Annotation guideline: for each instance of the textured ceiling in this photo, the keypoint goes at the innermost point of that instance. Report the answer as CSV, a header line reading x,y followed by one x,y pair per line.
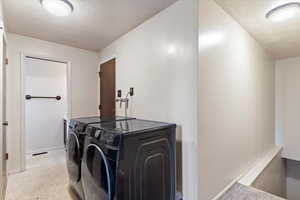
x,y
281,39
93,24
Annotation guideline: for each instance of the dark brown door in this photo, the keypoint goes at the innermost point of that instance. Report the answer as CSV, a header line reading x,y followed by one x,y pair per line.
x,y
108,88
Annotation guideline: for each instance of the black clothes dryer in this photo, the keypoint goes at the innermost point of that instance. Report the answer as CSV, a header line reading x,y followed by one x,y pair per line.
x,y
75,147
129,160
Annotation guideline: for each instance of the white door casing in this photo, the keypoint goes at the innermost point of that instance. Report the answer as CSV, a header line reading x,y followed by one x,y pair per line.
x,y
3,169
23,134
44,117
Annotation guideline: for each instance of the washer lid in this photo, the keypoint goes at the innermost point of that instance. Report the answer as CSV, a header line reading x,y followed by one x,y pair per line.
x,y
84,121
130,126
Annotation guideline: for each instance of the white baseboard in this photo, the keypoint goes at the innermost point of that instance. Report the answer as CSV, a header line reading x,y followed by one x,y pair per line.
x,y
45,150
49,150
14,171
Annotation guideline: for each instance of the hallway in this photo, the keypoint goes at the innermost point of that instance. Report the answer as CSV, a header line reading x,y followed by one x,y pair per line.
x,y
45,179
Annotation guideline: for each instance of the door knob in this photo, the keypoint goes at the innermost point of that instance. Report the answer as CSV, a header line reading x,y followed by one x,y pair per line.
x,y
5,123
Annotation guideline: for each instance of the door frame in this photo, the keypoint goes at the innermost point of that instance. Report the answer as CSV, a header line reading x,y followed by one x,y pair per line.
x,y
22,103
2,183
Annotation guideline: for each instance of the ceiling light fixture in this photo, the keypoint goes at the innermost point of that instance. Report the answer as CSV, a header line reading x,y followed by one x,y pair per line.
x,y
58,7
283,12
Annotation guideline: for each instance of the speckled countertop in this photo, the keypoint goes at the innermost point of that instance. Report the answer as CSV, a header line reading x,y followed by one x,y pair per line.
x,y
241,192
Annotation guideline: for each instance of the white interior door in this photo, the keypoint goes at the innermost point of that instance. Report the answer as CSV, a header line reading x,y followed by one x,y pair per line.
x,y
3,171
44,117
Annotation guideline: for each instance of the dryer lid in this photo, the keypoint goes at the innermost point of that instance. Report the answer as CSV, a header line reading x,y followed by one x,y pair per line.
x,y
130,126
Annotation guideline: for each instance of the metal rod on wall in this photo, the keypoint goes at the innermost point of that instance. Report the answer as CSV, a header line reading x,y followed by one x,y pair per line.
x,y
28,97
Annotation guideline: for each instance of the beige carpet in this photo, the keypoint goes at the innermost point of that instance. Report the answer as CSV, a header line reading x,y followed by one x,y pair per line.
x,y
45,179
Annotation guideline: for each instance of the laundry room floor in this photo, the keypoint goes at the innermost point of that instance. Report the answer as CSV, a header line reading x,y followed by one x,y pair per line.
x,y
45,179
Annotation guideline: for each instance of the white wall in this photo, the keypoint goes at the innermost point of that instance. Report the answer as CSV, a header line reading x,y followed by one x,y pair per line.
x,y
236,100
83,84
1,13
159,59
288,106
287,120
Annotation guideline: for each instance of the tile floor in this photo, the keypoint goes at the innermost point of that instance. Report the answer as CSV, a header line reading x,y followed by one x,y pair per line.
x,y
45,179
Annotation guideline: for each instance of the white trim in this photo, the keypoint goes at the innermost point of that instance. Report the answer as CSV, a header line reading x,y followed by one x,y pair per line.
x,y
3,174
22,116
14,171
22,103
106,59
2,186
251,174
45,150
249,178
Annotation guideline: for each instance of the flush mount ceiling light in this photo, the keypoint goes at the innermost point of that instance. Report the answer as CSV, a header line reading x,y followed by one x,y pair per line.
x,y
58,7
284,12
